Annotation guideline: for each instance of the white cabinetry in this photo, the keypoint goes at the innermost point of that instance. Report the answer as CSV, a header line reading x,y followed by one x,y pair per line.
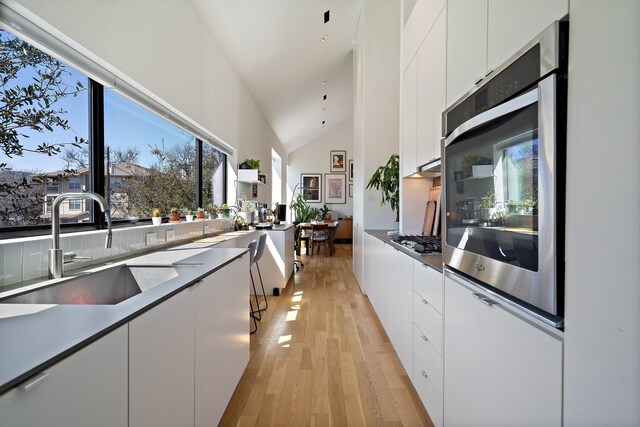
x,y
432,82
500,370
88,388
375,274
482,34
399,298
409,117
161,364
427,339
221,339
424,93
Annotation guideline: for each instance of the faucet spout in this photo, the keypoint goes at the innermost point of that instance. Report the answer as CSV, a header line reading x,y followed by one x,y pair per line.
x,y
56,256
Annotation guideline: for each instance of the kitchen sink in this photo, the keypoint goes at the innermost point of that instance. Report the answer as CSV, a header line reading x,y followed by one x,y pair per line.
x,y
109,286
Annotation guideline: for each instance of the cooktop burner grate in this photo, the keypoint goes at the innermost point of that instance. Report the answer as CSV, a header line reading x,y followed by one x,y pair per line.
x,y
420,244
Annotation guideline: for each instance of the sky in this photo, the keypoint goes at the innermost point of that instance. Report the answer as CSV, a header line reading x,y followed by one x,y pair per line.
x,y
126,124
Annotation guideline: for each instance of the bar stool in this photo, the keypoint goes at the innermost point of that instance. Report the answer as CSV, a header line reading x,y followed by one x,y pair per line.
x,y
262,243
252,250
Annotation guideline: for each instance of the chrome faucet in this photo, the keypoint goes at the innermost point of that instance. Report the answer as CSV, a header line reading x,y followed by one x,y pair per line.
x,y
56,257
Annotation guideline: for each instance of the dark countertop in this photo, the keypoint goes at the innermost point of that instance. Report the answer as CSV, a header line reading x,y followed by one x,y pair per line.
x,y
280,227
433,261
35,336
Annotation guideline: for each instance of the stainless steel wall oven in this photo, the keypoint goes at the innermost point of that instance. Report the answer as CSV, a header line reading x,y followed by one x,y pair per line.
x,y
503,169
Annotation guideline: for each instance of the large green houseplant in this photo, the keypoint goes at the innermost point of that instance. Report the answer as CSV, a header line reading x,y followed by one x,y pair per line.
x,y
387,179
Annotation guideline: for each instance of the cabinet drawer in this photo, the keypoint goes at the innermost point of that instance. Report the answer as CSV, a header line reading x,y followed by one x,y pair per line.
x,y
428,283
428,393
428,320
429,358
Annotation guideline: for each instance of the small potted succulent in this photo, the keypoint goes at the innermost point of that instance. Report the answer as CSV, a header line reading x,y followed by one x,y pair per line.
x,y
174,215
199,214
156,217
188,214
223,211
512,206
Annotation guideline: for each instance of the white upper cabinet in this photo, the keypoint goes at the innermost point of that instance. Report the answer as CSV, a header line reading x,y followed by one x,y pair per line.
x,y
483,34
513,23
423,16
409,117
466,46
432,82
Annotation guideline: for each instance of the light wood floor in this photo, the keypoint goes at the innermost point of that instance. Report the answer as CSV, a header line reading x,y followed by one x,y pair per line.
x,y
321,358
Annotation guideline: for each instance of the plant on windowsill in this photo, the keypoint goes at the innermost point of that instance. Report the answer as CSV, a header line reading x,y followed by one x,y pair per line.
x,y
387,179
199,214
188,214
174,215
156,217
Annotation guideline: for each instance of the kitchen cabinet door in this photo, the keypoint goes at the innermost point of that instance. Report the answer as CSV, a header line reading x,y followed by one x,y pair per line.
x,y
88,388
499,369
432,82
161,364
399,297
221,339
375,272
466,46
513,23
409,117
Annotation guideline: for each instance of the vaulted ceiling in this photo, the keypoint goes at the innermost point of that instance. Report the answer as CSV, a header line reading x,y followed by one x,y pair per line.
x,y
277,48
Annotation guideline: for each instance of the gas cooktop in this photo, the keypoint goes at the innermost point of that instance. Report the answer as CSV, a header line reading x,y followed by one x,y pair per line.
x,y
419,244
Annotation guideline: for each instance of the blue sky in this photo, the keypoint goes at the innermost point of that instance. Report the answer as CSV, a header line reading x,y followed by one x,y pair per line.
x,y
126,124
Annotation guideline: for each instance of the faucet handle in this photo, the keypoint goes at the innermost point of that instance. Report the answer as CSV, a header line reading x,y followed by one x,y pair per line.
x,y
69,257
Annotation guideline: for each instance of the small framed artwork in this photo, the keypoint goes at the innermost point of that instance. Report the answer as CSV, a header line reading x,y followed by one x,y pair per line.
x,y
311,187
350,169
350,190
338,161
335,188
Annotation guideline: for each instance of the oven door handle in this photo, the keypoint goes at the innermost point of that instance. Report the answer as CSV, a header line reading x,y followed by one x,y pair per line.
x,y
501,110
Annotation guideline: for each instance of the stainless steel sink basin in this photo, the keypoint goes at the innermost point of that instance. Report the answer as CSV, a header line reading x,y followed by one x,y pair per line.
x,y
108,286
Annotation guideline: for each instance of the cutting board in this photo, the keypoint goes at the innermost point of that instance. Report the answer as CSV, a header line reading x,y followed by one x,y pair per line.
x,y
434,195
429,217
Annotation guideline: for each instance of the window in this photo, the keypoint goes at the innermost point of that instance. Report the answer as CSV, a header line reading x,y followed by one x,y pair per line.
x,y
75,183
147,161
44,126
75,204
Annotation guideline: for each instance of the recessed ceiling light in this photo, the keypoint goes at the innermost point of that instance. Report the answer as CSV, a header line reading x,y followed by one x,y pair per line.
x,y
324,39
323,83
324,97
327,16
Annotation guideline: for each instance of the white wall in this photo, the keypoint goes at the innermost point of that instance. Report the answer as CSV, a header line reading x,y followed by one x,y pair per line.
x,y
163,46
376,115
602,339
314,157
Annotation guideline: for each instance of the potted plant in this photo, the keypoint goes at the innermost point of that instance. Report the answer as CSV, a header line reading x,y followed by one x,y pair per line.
x,y
324,211
512,206
199,214
188,215
486,205
223,211
387,179
156,217
250,164
174,215
246,209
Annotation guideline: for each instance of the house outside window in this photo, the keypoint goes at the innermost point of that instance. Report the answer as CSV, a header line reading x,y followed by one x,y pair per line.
x,y
75,183
75,204
53,186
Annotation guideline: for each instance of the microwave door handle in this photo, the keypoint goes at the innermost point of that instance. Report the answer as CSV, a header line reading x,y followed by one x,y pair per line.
x,y
509,107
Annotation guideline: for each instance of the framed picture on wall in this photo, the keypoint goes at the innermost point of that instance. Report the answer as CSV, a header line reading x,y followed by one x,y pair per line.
x,y
335,188
338,161
350,169
350,190
311,187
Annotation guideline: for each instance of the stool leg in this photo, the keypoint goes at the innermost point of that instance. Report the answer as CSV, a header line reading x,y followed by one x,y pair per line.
x,y
255,324
255,313
264,294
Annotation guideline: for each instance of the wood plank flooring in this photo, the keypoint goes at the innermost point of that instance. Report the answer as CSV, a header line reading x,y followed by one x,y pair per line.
x,y
321,358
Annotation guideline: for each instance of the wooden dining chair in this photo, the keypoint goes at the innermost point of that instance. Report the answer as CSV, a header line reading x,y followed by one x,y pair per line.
x,y
320,237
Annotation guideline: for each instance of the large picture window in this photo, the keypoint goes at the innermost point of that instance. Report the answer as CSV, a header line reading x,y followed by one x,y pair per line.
x,y
133,157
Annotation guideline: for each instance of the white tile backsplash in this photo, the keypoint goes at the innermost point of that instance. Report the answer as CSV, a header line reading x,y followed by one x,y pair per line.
x,y
27,258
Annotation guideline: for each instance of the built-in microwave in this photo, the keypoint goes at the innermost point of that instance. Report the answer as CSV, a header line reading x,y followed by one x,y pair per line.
x,y
503,177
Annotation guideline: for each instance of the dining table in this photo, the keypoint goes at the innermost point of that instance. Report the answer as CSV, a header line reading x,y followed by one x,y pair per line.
x,y
308,226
